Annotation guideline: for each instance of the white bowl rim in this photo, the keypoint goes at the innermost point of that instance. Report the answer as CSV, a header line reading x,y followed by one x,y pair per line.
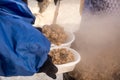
x,y
69,63
67,43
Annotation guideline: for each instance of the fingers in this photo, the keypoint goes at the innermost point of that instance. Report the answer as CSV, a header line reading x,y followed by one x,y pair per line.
x,y
49,68
51,75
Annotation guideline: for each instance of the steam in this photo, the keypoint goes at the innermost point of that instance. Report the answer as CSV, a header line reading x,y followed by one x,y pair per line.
x,y
98,42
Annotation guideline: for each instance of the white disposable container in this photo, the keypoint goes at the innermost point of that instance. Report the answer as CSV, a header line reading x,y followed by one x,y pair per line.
x,y
67,67
68,42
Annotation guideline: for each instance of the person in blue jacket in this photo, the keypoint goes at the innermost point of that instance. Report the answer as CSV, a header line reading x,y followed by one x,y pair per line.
x,y
23,49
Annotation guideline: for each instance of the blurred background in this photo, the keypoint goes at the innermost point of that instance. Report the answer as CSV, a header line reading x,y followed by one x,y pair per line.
x,y
68,17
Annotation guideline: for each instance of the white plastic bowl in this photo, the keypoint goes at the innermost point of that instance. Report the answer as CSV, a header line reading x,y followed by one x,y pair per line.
x,y
67,67
68,42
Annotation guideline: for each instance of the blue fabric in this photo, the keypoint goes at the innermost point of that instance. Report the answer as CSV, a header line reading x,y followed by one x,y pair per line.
x,y
23,49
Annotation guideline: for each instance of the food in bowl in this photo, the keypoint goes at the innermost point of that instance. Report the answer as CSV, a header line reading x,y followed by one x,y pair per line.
x,y
55,33
61,56
67,66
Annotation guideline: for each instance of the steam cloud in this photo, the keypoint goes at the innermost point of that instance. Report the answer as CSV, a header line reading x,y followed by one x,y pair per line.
x,y
98,42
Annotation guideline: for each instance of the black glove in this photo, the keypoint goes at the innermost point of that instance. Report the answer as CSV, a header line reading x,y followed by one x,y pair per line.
x,y
39,28
49,68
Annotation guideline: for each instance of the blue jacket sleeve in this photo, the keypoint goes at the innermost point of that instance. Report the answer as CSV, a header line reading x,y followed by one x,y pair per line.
x,y
23,49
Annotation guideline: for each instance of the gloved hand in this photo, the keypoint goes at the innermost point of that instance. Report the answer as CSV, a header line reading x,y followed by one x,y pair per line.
x,y
49,68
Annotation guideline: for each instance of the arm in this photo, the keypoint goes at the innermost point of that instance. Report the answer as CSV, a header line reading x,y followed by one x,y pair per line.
x,y
23,49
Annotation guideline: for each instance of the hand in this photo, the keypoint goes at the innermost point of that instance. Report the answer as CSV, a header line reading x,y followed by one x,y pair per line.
x,y
49,68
